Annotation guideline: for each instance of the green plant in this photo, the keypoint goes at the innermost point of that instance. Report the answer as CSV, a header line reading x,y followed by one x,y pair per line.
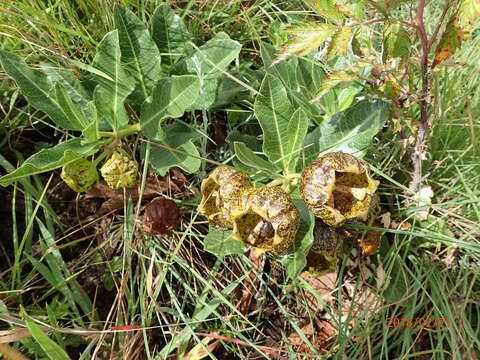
x,y
135,82
395,56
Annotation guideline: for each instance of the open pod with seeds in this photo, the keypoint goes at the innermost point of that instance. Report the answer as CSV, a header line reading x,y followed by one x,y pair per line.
x,y
120,171
337,187
79,175
222,192
267,219
323,255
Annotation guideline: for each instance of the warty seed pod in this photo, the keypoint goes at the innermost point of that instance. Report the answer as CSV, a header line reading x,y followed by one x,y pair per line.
x,y
266,220
120,171
221,193
79,175
337,187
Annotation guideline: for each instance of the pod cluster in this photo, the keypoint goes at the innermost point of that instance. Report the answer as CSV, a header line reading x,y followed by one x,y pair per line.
x,y
336,187
260,217
119,171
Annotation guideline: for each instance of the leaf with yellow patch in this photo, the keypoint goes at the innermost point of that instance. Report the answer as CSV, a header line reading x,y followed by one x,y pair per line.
x,y
333,79
339,43
451,40
304,38
327,9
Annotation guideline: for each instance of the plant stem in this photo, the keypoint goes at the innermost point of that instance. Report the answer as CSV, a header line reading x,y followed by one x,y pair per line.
x,y
130,130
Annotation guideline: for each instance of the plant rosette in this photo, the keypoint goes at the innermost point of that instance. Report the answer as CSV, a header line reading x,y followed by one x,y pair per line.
x,y
267,220
222,193
337,187
120,171
79,175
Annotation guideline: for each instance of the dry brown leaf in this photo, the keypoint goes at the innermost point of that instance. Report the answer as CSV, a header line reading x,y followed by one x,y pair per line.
x,y
318,336
199,352
324,286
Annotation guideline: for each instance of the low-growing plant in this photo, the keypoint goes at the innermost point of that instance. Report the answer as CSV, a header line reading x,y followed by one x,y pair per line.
x,y
137,80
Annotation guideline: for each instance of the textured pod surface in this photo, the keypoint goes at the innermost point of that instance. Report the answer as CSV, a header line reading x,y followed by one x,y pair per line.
x,y
161,216
266,220
222,192
120,171
337,187
79,175
323,255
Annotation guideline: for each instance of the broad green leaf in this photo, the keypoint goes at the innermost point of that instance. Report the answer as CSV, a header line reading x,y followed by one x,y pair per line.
x,y
178,133
52,350
171,98
304,38
451,40
273,111
296,260
327,9
72,110
162,159
469,12
221,243
297,129
339,43
352,131
109,95
207,63
140,54
249,158
396,42
170,33
38,90
51,158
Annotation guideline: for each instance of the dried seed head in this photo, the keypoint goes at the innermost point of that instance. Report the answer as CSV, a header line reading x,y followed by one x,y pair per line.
x,y
120,171
323,255
266,220
337,187
79,175
222,193
161,216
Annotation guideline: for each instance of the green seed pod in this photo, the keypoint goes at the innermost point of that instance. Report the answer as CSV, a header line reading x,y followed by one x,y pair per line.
x,y
337,187
323,255
221,193
266,220
120,171
79,175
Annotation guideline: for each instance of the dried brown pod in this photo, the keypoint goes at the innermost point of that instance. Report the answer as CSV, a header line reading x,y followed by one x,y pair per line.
x,y
161,216
266,220
337,187
221,194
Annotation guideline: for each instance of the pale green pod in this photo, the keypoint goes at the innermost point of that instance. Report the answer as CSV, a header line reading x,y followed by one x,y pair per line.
x,y
79,175
120,171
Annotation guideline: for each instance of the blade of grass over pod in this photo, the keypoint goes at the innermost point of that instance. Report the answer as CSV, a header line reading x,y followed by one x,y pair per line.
x,y
273,111
50,159
171,98
110,96
37,88
140,54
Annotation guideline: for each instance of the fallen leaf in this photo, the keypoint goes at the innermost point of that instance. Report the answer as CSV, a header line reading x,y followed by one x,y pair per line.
x,y
199,352
324,287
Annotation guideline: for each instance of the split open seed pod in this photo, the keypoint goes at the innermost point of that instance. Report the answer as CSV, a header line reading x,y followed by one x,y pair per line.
x,y
337,187
79,175
267,220
222,193
323,255
120,171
